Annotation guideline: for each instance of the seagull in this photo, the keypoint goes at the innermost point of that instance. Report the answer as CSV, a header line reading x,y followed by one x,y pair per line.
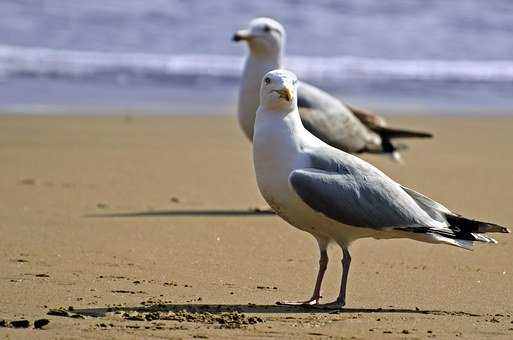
x,y
345,127
338,197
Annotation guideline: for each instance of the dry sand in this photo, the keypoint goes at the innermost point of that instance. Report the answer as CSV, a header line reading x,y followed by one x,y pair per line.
x,y
190,259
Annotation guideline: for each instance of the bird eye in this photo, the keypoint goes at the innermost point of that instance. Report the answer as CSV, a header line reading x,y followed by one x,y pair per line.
x,y
267,28
294,82
267,80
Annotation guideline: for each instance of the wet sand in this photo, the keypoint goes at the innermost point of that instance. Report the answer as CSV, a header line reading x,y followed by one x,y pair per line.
x,y
130,227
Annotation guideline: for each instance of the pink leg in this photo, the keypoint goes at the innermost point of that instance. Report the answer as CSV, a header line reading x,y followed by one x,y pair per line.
x,y
323,264
346,263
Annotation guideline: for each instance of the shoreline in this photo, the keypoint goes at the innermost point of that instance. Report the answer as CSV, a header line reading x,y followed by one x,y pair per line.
x,y
231,111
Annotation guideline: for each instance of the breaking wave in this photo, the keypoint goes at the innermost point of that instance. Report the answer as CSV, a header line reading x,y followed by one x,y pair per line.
x,y
30,62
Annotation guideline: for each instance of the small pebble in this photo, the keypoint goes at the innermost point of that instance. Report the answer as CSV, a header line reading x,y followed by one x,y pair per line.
x,y
20,323
41,323
57,312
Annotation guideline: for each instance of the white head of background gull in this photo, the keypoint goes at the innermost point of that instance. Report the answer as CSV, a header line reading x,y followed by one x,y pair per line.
x,y
342,126
336,196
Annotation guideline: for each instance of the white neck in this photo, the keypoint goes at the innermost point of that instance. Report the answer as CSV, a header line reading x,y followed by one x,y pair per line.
x,y
277,134
256,66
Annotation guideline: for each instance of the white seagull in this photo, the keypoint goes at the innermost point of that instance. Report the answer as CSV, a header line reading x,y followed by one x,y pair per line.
x,y
337,197
342,126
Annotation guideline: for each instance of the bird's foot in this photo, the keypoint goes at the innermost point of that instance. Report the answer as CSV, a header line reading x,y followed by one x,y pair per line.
x,y
312,302
337,304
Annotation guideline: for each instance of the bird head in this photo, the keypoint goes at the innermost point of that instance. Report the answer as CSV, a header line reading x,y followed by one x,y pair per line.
x,y
264,36
278,90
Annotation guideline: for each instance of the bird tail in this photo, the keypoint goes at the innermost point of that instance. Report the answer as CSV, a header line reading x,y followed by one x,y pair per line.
x,y
387,134
464,224
465,231
392,149
390,133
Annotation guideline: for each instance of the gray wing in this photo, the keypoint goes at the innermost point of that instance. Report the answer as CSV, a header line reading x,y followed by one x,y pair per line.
x,y
312,97
434,209
328,119
353,192
369,119
371,202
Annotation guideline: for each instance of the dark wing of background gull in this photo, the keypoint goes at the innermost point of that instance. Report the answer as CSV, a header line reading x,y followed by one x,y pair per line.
x,y
369,119
326,117
379,125
357,194
346,127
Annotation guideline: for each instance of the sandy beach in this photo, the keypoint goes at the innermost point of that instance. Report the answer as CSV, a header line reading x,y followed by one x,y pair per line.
x,y
144,226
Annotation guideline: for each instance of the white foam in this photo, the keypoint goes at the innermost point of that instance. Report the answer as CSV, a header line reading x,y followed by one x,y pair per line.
x,y
43,62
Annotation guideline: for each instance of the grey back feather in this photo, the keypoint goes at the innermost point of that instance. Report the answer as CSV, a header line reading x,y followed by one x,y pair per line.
x,y
331,121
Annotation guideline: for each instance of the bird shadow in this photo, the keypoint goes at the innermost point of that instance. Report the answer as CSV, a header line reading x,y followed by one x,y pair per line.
x,y
258,309
190,213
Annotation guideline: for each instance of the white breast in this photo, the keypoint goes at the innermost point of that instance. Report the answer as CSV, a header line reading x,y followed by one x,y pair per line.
x,y
275,156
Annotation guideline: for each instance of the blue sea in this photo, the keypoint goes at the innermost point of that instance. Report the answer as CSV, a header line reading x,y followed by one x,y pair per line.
x,y
177,56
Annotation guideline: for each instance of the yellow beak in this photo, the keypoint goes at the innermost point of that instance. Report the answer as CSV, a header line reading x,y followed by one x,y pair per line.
x,y
285,93
241,35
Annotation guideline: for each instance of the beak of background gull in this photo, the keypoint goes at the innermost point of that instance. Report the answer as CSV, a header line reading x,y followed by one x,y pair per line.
x,y
285,93
241,35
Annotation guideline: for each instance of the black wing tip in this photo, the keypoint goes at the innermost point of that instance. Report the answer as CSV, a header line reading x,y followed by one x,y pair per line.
x,y
417,134
493,228
399,133
426,135
475,226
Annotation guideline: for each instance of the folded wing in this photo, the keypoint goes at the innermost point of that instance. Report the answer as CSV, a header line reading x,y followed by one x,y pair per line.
x,y
373,202
329,120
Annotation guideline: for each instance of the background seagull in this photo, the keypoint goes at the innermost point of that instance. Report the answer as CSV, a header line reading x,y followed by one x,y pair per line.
x,y
342,126
338,197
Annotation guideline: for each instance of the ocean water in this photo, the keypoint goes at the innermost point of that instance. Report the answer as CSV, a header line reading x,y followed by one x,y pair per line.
x,y
177,56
